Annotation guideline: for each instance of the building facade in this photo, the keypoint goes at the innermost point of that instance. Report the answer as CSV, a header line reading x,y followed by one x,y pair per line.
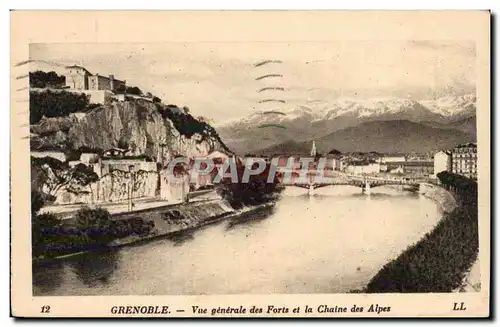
x,y
362,169
414,168
79,78
442,162
386,159
464,160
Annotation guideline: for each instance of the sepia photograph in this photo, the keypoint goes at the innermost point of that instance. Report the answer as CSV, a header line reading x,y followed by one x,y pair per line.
x,y
275,167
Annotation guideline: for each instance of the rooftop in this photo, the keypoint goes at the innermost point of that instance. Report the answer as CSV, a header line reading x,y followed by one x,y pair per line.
x,y
467,145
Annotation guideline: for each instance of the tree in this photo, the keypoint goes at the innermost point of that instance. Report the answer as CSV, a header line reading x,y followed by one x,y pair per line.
x,y
58,174
256,191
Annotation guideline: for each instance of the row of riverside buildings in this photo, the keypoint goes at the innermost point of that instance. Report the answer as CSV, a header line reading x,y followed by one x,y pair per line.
x,y
461,160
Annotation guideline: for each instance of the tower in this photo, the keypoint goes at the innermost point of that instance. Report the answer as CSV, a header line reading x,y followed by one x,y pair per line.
x,y
313,149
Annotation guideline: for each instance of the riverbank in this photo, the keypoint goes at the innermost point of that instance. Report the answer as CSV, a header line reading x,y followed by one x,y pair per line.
x,y
191,216
173,220
444,199
442,259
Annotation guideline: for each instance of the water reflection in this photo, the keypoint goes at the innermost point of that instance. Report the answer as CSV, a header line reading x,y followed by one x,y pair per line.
x,y
47,277
182,237
250,219
95,268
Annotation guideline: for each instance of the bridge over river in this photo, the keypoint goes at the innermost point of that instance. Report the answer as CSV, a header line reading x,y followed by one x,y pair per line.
x,y
315,179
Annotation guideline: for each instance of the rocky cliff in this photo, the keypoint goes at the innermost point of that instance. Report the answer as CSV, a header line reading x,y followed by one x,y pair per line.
x,y
146,128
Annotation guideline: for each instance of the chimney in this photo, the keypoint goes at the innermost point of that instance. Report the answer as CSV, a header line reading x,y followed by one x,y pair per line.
x,y
112,82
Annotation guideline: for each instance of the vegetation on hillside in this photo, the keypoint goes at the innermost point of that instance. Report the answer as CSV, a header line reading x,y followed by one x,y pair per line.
x,y
41,79
134,90
439,262
186,124
56,104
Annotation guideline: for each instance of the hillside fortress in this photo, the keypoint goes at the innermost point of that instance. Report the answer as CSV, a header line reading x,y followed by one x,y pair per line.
x,y
79,78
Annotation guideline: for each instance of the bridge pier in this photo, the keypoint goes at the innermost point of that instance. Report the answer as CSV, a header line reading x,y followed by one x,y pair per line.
x,y
311,190
366,188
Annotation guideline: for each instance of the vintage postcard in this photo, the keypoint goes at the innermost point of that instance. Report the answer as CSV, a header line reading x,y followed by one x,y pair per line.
x,y
250,164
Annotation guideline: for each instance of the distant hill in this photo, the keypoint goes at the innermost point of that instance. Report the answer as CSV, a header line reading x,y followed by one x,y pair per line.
x,y
467,125
288,147
396,136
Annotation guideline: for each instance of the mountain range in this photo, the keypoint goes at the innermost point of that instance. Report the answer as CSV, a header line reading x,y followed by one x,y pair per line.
x,y
349,124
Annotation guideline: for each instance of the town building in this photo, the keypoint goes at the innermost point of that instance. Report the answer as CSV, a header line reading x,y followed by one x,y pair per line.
x,y
414,168
363,168
392,158
108,165
442,162
464,160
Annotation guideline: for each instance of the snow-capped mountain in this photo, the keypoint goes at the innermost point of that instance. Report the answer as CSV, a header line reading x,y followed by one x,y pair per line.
x,y
262,129
453,106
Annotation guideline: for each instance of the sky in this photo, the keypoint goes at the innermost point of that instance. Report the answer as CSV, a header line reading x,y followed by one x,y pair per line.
x,y
220,81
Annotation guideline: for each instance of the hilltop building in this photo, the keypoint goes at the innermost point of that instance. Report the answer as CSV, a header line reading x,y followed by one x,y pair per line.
x,y
99,88
79,78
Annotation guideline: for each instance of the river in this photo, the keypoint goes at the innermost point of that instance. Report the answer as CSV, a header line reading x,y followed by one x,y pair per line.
x,y
332,242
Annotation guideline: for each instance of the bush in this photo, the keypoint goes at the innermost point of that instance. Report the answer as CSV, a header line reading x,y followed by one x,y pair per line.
x,y
55,104
439,262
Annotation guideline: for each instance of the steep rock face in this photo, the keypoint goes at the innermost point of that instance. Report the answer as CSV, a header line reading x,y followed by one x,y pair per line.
x,y
138,125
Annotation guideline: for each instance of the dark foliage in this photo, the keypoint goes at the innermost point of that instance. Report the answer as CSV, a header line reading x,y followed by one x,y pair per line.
x,y
439,262
41,79
134,90
156,100
94,229
56,104
256,191
335,151
186,124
